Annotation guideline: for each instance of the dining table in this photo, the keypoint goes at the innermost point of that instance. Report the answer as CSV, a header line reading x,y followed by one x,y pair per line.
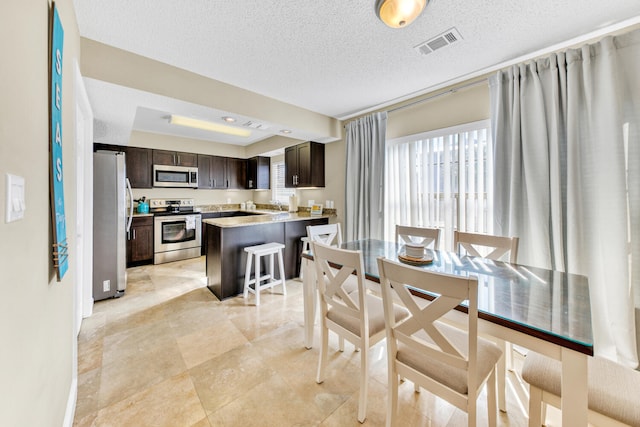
x,y
542,310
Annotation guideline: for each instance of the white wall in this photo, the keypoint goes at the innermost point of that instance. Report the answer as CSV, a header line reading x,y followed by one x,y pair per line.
x,y
36,311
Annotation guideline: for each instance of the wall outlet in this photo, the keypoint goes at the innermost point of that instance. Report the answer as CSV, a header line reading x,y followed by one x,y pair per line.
x,y
106,285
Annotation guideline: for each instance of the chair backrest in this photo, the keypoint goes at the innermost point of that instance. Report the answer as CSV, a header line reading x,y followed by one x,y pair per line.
x,y
449,291
420,235
486,246
328,234
334,267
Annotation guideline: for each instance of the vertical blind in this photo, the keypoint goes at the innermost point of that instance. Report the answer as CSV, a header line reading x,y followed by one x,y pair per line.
x,y
443,179
279,192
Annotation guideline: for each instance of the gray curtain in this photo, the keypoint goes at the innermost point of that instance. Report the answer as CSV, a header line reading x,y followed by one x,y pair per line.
x,y
364,193
567,154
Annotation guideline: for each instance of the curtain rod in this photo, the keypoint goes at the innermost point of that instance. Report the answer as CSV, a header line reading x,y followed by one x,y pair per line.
x,y
428,98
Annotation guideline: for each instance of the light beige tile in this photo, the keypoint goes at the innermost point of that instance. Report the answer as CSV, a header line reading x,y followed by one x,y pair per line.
x,y
89,354
347,413
191,316
207,343
136,341
271,403
230,376
138,370
173,402
88,389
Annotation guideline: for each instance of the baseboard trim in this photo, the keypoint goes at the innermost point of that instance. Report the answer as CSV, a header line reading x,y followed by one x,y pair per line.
x,y
71,404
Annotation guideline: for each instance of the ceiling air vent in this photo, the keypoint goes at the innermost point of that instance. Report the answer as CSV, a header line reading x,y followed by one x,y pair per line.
x,y
255,125
445,39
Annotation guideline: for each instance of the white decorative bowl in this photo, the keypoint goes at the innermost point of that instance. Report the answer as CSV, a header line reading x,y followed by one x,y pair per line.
x,y
414,250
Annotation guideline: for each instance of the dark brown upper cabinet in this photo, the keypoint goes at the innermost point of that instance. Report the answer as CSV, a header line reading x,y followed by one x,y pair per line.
x,y
215,172
139,167
258,173
236,173
304,165
174,158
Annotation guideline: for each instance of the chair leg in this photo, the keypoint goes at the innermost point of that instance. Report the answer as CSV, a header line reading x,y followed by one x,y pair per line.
x,y
508,348
491,399
392,394
281,267
247,276
272,278
501,374
364,382
472,409
324,343
535,407
257,285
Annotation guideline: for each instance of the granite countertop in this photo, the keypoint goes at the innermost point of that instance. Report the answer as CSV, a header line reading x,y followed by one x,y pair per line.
x,y
265,218
136,214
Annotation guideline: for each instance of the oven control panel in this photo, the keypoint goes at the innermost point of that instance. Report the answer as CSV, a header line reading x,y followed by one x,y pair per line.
x,y
167,203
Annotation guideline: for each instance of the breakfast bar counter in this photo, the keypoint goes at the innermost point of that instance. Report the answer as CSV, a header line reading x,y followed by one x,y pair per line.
x,y
227,238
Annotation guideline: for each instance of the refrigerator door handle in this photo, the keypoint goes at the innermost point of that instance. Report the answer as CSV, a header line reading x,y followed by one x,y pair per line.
x,y
130,216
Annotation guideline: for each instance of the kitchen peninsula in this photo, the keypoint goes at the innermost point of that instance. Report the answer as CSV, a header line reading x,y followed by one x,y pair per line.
x,y
227,238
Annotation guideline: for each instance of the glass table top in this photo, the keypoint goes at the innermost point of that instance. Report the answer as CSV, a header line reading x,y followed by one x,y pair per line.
x,y
551,305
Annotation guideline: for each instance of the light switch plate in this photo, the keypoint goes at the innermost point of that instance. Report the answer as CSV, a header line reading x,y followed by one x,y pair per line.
x,y
15,201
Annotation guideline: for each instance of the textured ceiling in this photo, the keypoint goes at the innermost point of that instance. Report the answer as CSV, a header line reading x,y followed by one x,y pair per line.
x,y
335,57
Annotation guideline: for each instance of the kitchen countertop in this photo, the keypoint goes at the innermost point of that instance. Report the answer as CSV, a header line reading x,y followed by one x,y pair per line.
x,y
265,217
136,214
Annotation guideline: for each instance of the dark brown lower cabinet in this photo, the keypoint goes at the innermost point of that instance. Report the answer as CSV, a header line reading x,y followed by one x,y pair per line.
x,y
226,259
205,236
140,241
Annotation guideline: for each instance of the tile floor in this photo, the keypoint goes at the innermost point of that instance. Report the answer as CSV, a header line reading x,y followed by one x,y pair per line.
x,y
168,353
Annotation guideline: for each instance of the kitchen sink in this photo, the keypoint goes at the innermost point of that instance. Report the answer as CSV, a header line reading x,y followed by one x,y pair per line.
x,y
238,213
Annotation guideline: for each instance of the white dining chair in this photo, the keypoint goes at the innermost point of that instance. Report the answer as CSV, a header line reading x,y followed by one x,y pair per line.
x,y
357,316
451,363
613,390
425,236
329,234
497,248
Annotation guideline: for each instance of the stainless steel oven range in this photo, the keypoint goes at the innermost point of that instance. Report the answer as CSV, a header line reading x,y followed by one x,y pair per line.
x,y
177,230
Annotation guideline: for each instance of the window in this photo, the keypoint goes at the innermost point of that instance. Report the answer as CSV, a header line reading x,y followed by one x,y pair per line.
x,y
442,178
278,192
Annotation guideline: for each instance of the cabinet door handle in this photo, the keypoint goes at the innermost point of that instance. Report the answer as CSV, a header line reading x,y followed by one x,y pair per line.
x,y
178,159
227,183
134,234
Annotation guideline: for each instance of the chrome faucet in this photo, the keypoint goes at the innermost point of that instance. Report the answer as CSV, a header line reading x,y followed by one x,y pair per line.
x,y
278,203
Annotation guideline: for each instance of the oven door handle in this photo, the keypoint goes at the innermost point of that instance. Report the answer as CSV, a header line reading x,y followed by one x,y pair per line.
x,y
130,216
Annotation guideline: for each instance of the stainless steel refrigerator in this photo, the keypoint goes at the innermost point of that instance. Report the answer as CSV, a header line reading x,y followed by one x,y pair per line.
x,y
111,223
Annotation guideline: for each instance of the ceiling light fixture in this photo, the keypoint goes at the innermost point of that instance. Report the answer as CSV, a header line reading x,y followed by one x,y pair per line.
x,y
228,119
210,126
285,131
399,13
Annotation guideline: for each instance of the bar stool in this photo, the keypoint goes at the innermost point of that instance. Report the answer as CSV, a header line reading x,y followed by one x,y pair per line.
x,y
258,251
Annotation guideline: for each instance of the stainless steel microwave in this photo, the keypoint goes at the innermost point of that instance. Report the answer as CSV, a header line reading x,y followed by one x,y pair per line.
x,y
175,176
